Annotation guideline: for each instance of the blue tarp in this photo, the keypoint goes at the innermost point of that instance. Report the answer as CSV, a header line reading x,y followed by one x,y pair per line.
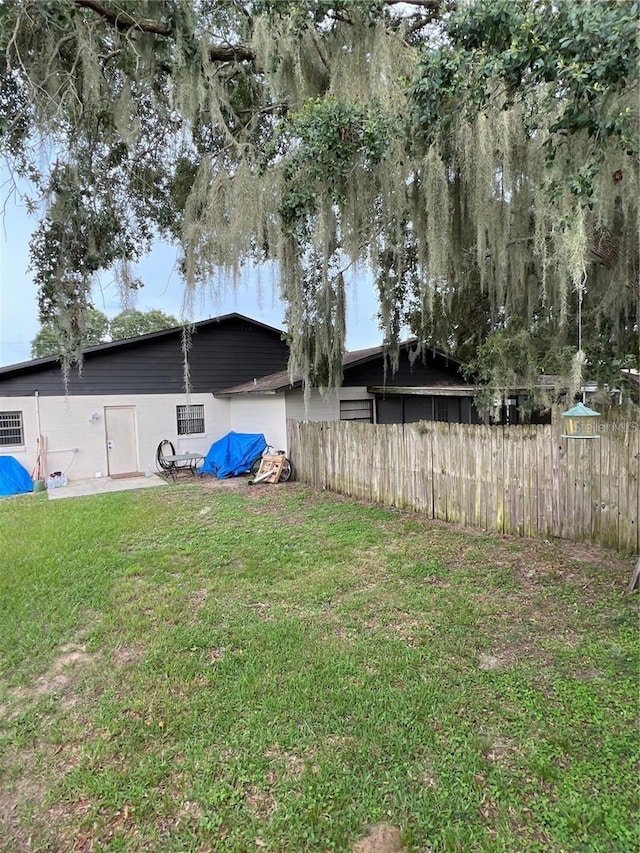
x,y
14,479
233,454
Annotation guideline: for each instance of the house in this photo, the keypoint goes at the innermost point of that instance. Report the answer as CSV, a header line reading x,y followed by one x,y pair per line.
x,y
426,387
429,387
130,396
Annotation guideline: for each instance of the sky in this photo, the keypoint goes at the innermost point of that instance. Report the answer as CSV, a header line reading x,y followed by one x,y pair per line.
x,y
256,296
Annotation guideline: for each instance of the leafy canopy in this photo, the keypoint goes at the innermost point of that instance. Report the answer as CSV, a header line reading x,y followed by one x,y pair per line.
x,y
480,158
97,328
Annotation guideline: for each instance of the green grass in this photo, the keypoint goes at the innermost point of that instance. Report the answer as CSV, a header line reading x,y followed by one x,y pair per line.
x,y
204,667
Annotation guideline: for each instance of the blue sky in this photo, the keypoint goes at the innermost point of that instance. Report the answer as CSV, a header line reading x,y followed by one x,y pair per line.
x,y
256,296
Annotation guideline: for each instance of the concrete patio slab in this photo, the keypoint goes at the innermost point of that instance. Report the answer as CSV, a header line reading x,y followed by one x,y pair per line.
x,y
101,485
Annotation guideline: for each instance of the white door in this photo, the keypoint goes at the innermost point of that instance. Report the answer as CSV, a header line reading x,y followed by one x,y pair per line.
x,y
122,441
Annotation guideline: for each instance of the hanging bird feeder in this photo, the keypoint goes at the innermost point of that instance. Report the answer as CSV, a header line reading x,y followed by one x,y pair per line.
x,y
580,422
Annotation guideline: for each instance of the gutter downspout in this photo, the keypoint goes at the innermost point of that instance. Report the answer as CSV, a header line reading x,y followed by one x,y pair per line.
x,y
41,459
37,396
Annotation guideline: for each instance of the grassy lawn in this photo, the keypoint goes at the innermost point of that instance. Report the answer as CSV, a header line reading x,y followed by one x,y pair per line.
x,y
212,667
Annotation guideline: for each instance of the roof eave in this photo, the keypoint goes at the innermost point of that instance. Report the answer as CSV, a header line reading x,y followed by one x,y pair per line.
x,y
425,390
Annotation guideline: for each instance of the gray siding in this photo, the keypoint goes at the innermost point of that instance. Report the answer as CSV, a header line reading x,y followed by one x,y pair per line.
x,y
434,370
223,353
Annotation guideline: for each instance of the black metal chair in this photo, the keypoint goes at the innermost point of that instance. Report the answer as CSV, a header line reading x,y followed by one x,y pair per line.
x,y
166,468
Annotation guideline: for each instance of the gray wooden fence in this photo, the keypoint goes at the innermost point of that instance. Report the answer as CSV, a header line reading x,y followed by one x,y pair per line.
x,y
524,480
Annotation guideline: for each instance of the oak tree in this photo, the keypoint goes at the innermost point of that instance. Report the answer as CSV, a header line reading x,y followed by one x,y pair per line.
x,y
480,158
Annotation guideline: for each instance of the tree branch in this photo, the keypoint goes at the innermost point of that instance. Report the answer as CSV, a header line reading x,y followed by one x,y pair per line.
x,y
336,15
124,22
240,52
432,5
431,10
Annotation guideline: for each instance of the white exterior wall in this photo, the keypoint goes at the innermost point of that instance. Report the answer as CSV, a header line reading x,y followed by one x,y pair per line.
x,y
263,413
268,413
321,408
317,408
25,453
68,423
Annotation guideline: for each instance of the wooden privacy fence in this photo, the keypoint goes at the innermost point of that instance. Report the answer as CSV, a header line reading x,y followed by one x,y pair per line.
x,y
524,480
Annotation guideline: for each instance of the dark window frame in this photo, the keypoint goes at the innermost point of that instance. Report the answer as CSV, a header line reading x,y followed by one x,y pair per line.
x,y
190,419
441,409
10,430
361,405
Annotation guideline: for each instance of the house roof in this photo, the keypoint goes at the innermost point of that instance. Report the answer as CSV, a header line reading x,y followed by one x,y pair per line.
x,y
36,363
283,381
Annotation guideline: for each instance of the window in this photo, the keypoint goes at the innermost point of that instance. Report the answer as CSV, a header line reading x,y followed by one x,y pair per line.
x,y
11,431
190,419
441,409
356,410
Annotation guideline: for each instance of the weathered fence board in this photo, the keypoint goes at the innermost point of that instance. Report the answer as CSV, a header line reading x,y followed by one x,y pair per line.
x,y
629,493
521,480
609,483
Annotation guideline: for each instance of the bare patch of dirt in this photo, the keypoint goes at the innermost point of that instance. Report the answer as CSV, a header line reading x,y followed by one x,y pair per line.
x,y
198,598
189,811
60,678
337,629
340,741
261,803
429,780
293,765
231,484
112,823
591,555
487,663
60,813
255,496
27,793
23,815
262,611
371,565
589,674
382,838
402,625
128,654
499,750
241,484
406,628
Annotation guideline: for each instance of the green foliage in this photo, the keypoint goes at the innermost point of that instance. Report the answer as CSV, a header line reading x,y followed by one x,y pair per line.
x,y
130,323
77,238
565,59
48,341
323,143
532,109
97,329
52,338
510,355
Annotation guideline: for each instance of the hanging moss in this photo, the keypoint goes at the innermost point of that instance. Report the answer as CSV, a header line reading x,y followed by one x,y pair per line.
x,y
478,169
